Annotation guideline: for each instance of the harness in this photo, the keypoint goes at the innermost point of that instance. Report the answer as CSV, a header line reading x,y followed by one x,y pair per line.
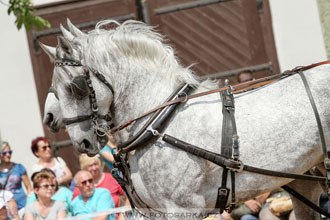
x,y
81,86
229,157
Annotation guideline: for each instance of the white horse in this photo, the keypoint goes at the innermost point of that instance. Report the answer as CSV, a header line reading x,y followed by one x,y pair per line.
x,y
276,124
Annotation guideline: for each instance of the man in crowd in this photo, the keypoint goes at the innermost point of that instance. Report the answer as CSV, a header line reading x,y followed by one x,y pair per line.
x,y
91,199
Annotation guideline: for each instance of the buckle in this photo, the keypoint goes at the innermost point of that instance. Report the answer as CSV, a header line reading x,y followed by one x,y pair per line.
x,y
327,163
223,192
240,166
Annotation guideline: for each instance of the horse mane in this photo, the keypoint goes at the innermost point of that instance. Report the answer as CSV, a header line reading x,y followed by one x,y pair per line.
x,y
139,42
134,41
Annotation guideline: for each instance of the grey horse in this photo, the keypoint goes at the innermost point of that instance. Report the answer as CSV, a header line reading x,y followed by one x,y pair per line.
x,y
276,124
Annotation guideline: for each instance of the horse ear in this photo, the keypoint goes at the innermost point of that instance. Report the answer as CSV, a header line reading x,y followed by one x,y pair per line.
x,y
74,30
64,45
67,35
50,51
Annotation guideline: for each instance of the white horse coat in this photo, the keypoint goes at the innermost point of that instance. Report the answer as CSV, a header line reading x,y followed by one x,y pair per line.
x,y
276,124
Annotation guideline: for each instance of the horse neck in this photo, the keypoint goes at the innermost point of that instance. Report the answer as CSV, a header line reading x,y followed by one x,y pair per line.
x,y
144,89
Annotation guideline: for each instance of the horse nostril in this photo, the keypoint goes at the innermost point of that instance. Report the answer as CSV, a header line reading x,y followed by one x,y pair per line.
x,y
86,144
103,140
49,118
87,147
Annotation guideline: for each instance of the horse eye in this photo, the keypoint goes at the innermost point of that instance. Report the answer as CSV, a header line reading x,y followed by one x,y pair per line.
x,y
79,87
68,89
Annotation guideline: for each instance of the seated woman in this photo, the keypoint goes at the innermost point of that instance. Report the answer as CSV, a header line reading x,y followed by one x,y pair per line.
x,y
62,193
44,208
41,148
13,176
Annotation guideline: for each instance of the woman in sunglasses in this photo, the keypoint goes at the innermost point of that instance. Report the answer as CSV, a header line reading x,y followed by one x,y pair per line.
x,y
41,148
44,208
61,193
12,175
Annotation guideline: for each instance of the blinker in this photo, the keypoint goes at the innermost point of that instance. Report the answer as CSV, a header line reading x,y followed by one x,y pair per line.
x,y
79,87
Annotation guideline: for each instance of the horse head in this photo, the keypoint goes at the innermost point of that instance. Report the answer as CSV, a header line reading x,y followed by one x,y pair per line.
x,y
83,99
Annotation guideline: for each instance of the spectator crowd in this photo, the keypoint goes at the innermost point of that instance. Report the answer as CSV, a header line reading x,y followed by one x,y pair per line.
x,y
54,192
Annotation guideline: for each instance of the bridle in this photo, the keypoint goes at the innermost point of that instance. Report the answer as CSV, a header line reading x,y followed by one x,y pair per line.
x,y
81,86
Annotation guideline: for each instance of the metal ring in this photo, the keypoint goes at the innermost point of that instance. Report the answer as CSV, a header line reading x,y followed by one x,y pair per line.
x,y
95,109
100,130
97,131
186,97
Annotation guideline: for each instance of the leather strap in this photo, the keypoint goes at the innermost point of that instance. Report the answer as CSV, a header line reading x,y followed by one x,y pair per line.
x,y
227,144
155,122
227,125
223,192
9,173
231,164
81,118
320,128
126,183
306,201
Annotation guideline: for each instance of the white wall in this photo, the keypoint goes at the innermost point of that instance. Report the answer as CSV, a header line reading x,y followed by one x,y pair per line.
x,y
297,32
20,120
41,2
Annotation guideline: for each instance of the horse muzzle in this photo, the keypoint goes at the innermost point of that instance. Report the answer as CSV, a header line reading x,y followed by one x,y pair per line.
x,y
87,147
52,124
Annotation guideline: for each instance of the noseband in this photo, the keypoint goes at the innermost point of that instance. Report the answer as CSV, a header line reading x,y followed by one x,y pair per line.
x,y
81,86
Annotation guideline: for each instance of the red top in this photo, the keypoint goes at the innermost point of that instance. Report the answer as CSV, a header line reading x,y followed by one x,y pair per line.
x,y
108,183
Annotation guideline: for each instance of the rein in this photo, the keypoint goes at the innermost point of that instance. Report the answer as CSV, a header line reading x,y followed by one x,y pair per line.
x,y
238,88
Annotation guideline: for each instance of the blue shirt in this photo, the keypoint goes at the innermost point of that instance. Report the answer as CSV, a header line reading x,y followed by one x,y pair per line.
x,y
64,195
108,163
112,151
101,200
14,183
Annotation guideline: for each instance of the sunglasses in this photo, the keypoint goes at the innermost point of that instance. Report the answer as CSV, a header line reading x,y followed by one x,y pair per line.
x,y
84,183
46,186
45,147
6,152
